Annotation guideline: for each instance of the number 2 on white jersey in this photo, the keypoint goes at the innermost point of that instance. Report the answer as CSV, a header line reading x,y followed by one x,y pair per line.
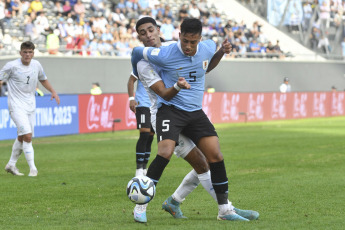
x,y
28,79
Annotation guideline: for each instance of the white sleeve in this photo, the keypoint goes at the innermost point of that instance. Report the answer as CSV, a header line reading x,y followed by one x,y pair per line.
x,y
5,72
136,77
147,73
41,74
283,88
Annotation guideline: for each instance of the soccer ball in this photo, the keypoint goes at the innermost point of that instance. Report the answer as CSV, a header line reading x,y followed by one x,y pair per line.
x,y
141,189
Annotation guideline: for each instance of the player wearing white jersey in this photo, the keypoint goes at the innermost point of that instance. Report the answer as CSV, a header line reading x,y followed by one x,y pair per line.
x,y
22,76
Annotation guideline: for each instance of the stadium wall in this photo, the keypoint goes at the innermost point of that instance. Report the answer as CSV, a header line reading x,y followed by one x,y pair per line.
x,y
74,75
87,113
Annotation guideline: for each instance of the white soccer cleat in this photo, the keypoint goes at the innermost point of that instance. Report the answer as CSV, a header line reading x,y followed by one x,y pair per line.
x,y
13,170
140,213
33,172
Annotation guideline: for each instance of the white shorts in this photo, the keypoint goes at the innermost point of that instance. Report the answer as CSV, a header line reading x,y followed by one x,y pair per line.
x,y
185,145
24,121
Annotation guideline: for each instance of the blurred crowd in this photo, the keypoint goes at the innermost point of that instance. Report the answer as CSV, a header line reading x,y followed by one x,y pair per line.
x,y
107,27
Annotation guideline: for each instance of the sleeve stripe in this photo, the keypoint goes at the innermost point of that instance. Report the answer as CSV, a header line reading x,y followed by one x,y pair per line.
x,y
145,53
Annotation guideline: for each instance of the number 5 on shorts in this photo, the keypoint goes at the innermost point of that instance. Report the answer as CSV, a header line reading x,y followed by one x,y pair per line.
x,y
165,125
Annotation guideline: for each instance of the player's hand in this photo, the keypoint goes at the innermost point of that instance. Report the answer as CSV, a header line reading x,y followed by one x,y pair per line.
x,y
226,46
182,83
57,99
132,105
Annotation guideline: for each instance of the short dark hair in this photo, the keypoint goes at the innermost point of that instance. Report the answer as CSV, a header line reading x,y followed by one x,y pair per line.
x,y
191,25
96,83
28,45
145,20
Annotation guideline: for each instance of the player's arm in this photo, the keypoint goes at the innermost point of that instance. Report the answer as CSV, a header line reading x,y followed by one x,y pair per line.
x,y
157,56
225,49
130,89
168,93
49,87
152,79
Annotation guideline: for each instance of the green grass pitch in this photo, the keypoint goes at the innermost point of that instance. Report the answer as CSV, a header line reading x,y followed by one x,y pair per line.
x,y
292,172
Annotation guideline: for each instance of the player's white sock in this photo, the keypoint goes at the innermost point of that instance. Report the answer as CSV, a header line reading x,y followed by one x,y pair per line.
x,y
29,154
189,183
205,180
16,151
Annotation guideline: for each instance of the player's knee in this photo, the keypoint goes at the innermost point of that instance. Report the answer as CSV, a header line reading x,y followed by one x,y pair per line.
x,y
166,148
27,137
216,157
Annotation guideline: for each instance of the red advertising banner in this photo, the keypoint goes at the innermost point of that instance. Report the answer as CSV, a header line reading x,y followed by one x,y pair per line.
x,y
239,107
97,113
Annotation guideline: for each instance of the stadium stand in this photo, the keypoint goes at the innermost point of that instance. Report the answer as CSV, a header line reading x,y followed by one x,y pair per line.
x,y
107,27
316,24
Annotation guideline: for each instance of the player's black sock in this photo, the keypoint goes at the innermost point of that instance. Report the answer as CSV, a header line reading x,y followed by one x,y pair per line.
x,y
148,151
141,148
219,181
156,168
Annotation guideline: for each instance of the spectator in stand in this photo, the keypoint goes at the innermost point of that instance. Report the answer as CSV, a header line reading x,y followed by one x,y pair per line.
x,y
183,13
25,6
107,35
58,8
53,42
270,51
117,16
62,28
203,8
2,16
97,6
79,9
143,4
314,38
176,31
325,15
36,7
168,13
122,6
16,6
67,9
43,21
29,29
194,11
70,28
167,29
132,8
308,13
254,48
324,44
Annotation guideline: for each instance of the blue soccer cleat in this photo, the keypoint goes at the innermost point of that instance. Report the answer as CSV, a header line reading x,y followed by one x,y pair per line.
x,y
140,213
232,216
248,214
173,207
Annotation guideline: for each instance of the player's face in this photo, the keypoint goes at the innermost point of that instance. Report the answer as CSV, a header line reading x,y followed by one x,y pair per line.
x,y
27,55
189,43
148,34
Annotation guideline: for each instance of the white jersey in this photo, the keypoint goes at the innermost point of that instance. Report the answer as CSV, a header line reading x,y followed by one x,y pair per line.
x,y
22,82
149,75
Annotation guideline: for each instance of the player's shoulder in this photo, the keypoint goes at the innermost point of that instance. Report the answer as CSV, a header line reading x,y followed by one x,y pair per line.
x,y
14,63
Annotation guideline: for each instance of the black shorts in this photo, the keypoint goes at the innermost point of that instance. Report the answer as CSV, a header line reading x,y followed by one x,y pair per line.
x,y
143,116
171,122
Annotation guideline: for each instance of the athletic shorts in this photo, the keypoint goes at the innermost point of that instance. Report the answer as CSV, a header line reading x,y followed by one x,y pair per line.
x,y
24,121
143,116
172,121
185,144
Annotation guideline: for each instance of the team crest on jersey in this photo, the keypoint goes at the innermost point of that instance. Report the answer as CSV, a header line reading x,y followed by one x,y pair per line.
x,y
155,52
205,64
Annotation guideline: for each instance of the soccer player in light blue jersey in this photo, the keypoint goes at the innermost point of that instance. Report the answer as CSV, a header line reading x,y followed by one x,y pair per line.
x,y
140,105
189,58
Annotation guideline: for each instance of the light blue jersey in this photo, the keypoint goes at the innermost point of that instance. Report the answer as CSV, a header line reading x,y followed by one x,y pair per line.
x,y
175,64
141,96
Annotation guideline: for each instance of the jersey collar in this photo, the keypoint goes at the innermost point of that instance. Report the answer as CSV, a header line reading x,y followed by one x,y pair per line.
x,y
180,48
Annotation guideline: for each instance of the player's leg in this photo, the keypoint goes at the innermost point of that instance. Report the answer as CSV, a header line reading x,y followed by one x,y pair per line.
x,y
144,126
148,150
28,148
202,132
16,152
